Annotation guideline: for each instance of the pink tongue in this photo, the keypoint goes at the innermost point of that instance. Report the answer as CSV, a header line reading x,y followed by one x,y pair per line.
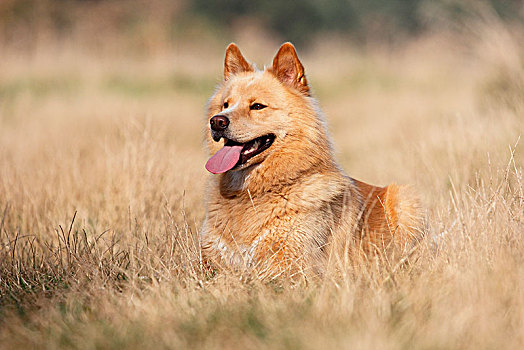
x,y
224,159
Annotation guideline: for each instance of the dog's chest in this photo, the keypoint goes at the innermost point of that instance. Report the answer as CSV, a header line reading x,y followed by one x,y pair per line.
x,y
242,219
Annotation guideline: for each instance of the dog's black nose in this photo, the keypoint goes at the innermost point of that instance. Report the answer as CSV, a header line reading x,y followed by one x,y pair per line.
x,y
219,123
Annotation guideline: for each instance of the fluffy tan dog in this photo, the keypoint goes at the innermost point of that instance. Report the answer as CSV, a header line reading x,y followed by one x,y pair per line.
x,y
278,201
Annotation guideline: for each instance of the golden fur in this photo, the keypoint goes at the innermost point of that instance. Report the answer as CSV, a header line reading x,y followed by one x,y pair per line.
x,y
291,207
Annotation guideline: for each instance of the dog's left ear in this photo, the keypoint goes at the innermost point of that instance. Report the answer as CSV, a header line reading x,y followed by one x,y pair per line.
x,y
288,69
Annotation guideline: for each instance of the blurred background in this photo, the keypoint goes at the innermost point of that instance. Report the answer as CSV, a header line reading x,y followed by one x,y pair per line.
x,y
141,27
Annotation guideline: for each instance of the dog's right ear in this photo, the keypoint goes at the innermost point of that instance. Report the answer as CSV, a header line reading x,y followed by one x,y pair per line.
x,y
234,62
288,68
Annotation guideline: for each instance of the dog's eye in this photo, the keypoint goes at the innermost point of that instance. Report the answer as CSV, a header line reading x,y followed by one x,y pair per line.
x,y
226,104
257,106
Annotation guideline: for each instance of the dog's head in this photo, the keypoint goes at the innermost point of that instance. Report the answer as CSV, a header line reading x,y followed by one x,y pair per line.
x,y
253,112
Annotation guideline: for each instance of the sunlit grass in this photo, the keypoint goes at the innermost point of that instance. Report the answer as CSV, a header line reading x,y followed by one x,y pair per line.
x,y
102,191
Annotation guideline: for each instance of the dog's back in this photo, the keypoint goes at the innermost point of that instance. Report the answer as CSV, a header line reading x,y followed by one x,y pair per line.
x,y
392,217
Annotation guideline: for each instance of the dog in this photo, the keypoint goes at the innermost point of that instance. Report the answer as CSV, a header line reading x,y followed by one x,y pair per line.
x,y
278,202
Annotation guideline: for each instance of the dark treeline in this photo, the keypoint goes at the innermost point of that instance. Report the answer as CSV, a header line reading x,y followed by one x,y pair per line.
x,y
298,20
295,20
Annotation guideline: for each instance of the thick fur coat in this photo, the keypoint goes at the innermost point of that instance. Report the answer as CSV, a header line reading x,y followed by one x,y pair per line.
x,y
278,201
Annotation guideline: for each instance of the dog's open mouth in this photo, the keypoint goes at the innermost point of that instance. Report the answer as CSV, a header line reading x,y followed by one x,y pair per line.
x,y
234,154
253,147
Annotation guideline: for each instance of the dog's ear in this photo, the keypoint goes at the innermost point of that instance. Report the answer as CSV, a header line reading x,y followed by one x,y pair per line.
x,y
288,69
234,62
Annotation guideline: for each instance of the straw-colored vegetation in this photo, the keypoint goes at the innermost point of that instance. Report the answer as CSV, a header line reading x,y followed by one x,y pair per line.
x,y
102,184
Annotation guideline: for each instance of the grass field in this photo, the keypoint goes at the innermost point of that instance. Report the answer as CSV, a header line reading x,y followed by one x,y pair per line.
x,y
102,183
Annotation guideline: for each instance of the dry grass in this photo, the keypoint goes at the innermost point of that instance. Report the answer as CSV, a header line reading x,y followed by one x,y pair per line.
x,y
101,192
